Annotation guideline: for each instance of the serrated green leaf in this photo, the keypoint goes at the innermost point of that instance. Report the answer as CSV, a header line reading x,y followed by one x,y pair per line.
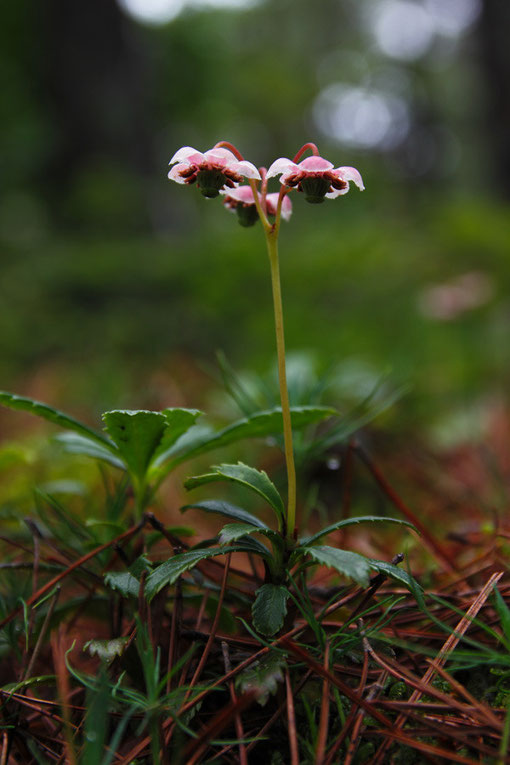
x,y
178,422
137,435
398,575
169,571
259,425
270,608
226,509
263,677
353,522
251,545
350,564
195,436
74,443
140,565
144,437
233,531
39,409
256,480
127,584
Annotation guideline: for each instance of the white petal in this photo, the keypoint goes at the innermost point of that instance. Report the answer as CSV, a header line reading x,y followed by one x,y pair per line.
x,y
183,153
221,153
174,174
281,165
286,208
337,192
350,174
272,205
247,169
243,194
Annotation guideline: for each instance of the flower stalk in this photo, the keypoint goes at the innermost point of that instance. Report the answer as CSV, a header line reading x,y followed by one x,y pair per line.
x,y
271,232
272,250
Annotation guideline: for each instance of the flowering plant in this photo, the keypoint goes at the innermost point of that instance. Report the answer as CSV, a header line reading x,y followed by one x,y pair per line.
x,y
148,445
290,555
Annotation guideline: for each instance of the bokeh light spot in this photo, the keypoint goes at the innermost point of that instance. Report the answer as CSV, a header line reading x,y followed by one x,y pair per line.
x,y
361,117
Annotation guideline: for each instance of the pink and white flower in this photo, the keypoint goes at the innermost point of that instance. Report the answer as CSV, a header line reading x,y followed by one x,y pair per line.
x,y
211,170
316,177
242,201
272,204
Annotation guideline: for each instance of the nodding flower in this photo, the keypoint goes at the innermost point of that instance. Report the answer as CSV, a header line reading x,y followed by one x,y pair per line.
x,y
242,201
316,177
212,170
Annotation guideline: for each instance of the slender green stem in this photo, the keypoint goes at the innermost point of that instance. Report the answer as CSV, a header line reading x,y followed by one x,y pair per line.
x,y
272,249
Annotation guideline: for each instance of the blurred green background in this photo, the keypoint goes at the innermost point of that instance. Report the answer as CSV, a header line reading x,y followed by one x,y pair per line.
x,y
118,287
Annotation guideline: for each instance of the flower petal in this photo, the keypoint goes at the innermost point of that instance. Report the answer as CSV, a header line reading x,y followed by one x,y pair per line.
x,y
184,153
175,172
225,155
315,165
243,194
281,165
286,208
272,205
247,169
350,174
337,192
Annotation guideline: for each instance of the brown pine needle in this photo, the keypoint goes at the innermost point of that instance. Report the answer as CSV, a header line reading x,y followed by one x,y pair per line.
x,y
291,721
322,738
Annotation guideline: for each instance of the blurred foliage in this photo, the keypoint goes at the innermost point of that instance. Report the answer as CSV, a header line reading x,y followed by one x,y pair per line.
x,y
110,273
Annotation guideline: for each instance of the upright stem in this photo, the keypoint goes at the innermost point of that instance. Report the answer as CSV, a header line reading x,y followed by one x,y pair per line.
x,y
272,249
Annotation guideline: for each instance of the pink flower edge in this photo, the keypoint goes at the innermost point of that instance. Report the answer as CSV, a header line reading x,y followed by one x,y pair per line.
x,y
272,204
244,195
315,167
217,158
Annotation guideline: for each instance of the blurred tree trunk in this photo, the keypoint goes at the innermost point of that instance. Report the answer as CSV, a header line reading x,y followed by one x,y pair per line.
x,y
495,49
93,78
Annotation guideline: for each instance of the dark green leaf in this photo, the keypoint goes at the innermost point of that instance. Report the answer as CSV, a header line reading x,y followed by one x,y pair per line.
x,y
145,437
241,531
169,571
259,425
352,522
350,564
270,608
127,584
250,545
137,435
74,443
226,509
399,575
187,442
23,404
178,422
253,479
233,531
